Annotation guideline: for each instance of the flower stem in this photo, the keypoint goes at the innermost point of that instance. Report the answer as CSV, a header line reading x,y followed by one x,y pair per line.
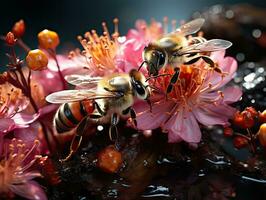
x,y
252,143
52,52
21,43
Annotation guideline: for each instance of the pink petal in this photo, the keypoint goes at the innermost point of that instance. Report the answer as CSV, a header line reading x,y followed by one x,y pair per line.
x,y
209,117
232,94
147,120
28,135
22,118
218,56
30,190
183,125
6,124
47,109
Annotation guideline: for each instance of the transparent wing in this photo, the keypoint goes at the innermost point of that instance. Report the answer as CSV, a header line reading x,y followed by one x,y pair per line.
x,y
208,46
66,96
190,27
83,81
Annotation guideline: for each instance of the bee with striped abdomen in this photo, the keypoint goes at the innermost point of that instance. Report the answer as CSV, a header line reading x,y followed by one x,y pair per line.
x,y
113,97
70,114
176,49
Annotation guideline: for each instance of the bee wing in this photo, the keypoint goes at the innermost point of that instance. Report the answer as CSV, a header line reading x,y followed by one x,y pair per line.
x,y
208,46
66,96
190,27
83,81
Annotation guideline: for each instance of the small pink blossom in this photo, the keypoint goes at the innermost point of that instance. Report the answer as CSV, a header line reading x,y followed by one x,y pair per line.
x,y
17,170
197,97
12,103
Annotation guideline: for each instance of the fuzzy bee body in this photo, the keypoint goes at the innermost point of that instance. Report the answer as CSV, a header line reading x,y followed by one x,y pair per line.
x,y
111,98
175,49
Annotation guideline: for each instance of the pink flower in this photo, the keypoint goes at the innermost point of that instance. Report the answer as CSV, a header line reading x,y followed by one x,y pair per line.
x,y
197,97
12,103
17,170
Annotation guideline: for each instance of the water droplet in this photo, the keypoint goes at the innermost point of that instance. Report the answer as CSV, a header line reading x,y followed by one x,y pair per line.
x,y
240,57
250,77
251,65
201,173
145,163
256,33
229,14
112,193
165,160
100,128
156,191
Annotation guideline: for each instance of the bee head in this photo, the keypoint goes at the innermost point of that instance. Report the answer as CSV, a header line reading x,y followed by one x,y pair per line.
x,y
156,58
139,85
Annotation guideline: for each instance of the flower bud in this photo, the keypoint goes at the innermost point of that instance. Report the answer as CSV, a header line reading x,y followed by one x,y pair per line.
x,y
37,60
19,28
240,142
48,39
262,135
10,39
109,160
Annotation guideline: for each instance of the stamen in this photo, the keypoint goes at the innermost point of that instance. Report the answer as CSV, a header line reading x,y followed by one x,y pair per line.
x,y
173,25
165,25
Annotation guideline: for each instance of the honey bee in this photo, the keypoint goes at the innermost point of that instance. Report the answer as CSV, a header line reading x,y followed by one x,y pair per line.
x,y
113,97
175,49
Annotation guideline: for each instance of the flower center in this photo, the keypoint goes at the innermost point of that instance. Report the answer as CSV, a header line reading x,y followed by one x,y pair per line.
x,y
9,100
99,51
17,161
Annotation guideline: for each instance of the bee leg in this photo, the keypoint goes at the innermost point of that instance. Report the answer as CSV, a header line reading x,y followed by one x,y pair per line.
x,y
151,77
172,81
192,61
98,108
76,141
213,65
113,133
210,62
132,113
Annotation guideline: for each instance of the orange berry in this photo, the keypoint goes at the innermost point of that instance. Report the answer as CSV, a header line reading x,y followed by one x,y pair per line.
x,y
37,60
48,39
10,39
262,135
252,111
248,120
228,132
109,159
238,119
19,28
262,117
243,119
240,142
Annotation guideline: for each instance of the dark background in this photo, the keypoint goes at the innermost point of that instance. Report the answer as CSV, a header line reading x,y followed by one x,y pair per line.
x,y
71,18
